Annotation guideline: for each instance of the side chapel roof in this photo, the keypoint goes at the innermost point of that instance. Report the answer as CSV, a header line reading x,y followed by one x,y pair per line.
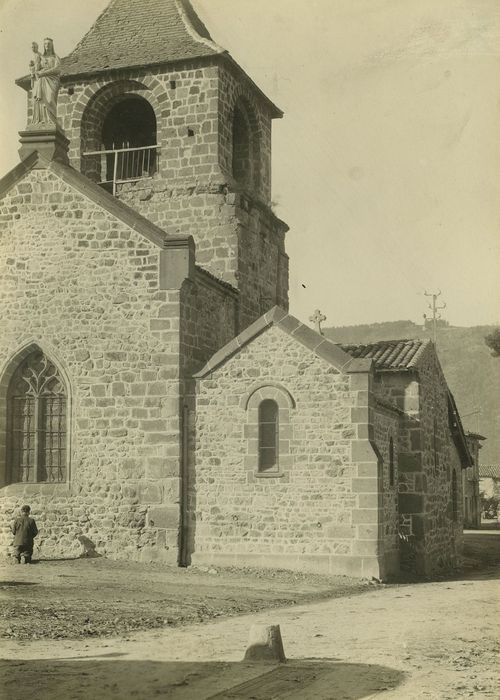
x,y
390,354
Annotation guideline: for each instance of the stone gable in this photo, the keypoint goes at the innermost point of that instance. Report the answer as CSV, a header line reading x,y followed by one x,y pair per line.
x,y
84,287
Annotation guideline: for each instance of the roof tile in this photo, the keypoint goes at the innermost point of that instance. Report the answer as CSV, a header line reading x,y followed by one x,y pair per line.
x,y
389,354
491,471
132,33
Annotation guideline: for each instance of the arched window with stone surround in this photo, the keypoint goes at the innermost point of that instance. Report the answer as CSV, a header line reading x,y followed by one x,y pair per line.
x,y
268,430
128,133
119,140
268,435
36,422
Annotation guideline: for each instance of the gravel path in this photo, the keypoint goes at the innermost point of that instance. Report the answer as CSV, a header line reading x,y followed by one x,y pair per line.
x,y
428,640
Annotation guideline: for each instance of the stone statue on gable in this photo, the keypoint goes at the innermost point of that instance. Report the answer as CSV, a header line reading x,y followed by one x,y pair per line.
x,y
45,71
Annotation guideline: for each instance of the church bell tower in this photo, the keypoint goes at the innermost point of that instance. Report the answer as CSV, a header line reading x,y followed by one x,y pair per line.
x,y
166,121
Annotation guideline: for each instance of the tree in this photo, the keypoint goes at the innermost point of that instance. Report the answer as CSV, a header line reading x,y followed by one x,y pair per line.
x,y
493,342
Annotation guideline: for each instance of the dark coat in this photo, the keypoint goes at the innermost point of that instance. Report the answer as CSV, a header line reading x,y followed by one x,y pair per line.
x,y
24,530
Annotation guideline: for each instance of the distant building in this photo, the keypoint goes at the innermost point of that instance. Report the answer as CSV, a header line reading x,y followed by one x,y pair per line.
x,y
489,480
157,400
470,482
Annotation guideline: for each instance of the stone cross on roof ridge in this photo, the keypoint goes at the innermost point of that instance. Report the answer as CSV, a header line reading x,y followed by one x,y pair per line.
x,y
317,318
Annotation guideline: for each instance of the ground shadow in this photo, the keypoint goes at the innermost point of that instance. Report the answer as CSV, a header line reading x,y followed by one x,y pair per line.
x,y
54,679
4,584
51,559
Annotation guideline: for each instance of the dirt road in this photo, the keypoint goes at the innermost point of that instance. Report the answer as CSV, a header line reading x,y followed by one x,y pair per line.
x,y
429,640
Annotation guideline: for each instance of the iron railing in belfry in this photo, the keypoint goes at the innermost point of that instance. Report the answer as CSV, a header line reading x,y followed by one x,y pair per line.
x,y
125,164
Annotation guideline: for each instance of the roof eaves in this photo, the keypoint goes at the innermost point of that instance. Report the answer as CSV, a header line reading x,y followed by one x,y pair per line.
x,y
457,432
474,436
195,27
276,112
214,281
424,345
18,172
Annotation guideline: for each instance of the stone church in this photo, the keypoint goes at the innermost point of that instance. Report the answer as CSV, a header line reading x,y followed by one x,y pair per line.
x,y
157,400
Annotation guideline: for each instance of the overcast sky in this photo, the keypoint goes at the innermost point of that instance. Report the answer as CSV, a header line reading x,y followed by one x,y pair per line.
x,y
387,164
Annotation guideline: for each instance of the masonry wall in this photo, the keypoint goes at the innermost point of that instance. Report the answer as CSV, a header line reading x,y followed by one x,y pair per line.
x,y
238,238
386,426
312,514
444,532
430,537
470,487
83,286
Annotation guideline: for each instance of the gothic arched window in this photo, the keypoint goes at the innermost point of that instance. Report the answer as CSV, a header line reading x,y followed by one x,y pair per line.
x,y
36,422
268,435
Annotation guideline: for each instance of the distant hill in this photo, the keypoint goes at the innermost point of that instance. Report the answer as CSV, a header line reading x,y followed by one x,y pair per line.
x,y
473,375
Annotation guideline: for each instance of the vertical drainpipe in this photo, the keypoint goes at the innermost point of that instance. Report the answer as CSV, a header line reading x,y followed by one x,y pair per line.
x,y
177,264
184,488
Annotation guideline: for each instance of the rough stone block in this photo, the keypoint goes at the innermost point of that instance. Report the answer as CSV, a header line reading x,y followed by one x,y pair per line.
x,y
369,469
365,485
370,500
411,503
368,532
340,532
372,567
367,515
362,451
359,415
367,547
164,517
265,644
149,493
410,461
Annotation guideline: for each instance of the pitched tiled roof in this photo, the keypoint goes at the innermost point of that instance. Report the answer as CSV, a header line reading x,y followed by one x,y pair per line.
x,y
489,471
139,33
390,354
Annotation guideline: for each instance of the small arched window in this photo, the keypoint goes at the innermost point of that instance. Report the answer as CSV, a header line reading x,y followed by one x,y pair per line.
x,y
391,462
454,495
36,422
268,435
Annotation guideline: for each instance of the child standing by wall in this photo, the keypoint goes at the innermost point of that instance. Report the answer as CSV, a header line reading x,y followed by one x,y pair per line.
x,y
24,530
